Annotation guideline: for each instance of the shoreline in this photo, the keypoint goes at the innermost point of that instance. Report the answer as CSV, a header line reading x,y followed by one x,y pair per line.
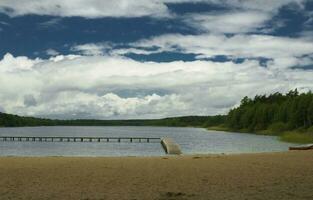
x,y
292,136
279,175
157,156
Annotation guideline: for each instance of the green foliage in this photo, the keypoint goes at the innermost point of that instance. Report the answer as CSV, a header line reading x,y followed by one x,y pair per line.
x,y
278,127
7,120
296,137
276,113
310,130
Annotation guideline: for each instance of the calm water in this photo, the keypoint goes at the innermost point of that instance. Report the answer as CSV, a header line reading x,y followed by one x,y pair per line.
x,y
191,140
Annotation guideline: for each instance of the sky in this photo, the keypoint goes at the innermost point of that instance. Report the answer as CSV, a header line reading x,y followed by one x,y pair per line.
x,y
138,59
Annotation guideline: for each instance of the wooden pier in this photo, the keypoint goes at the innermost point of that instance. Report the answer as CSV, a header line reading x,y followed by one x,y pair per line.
x,y
169,146
79,139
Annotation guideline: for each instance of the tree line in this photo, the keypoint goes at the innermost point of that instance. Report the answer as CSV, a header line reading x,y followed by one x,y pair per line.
x,y
276,112
8,120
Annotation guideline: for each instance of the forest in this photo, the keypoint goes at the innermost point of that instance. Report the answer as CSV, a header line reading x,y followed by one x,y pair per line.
x,y
8,120
288,115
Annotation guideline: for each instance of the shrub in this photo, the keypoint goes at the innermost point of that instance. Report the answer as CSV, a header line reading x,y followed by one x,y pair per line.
x,y
310,130
278,128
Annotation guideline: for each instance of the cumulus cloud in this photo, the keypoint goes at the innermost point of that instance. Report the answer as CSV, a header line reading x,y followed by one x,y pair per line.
x,y
90,86
12,64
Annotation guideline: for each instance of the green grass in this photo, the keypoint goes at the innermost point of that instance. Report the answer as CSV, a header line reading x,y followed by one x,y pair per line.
x,y
218,128
297,137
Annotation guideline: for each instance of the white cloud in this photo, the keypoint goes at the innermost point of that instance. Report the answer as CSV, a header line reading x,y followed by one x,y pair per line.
x,y
73,104
232,22
88,9
54,23
12,64
92,49
285,52
2,23
89,86
52,52
125,8
264,5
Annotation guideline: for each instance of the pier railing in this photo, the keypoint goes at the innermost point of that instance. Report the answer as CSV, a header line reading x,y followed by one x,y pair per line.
x,y
78,139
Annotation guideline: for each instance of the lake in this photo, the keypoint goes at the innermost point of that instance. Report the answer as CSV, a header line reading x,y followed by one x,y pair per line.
x,y
191,140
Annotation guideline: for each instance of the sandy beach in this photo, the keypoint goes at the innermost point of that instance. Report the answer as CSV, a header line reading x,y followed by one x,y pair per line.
x,y
287,175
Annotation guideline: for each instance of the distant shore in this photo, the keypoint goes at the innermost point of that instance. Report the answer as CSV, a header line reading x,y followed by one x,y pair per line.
x,y
286,175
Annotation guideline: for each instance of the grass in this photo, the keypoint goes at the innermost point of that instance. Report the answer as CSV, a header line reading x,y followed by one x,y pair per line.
x,y
297,137
218,128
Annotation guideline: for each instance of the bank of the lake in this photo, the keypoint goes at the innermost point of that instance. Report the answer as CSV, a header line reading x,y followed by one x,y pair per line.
x,y
292,136
271,176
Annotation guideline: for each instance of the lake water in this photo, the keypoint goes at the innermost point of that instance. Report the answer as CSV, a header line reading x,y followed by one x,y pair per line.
x,y
191,140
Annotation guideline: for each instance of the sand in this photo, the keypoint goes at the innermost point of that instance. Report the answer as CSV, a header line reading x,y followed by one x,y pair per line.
x,y
267,176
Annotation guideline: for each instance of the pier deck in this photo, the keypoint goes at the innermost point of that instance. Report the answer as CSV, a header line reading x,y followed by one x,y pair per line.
x,y
78,139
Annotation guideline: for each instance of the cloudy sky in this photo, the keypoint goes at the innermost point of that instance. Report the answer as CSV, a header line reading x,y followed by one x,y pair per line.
x,y
149,58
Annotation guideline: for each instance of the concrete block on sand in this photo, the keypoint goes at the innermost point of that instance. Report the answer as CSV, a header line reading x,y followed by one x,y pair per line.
x,y
170,146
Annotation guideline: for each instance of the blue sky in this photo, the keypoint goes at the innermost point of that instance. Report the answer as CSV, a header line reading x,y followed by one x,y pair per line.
x,y
150,59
